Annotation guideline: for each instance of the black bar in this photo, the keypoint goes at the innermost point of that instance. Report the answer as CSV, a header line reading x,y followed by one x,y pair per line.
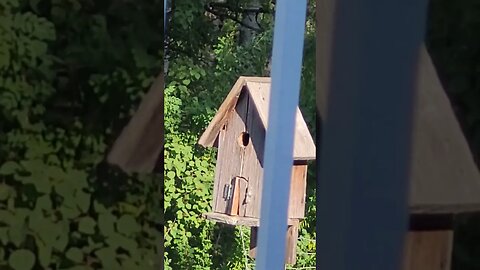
x,y
431,222
362,212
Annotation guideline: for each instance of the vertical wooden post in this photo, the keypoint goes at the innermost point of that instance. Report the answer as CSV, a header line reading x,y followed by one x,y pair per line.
x,y
253,242
428,250
292,237
291,243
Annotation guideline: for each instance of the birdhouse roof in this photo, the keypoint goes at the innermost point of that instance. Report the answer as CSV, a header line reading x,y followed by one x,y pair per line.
x,y
259,90
444,176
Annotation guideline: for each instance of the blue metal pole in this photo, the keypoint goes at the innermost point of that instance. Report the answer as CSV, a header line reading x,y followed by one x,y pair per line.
x,y
287,56
362,193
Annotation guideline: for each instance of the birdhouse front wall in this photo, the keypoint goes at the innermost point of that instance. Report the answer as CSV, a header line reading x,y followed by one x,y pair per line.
x,y
229,159
239,169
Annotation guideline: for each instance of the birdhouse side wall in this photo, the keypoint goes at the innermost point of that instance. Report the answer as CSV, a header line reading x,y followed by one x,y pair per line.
x,y
253,169
253,161
229,156
298,186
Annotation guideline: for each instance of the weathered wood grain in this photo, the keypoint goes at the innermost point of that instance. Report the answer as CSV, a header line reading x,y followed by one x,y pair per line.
x,y
252,252
140,143
208,137
253,165
237,220
298,186
291,244
444,176
231,155
259,88
428,250
303,145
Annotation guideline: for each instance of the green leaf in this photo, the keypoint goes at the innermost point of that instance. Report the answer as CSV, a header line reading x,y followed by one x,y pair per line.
x,y
80,267
100,208
44,253
117,240
127,225
171,175
87,225
63,236
5,192
129,208
129,264
7,217
4,235
22,259
33,165
44,202
17,233
42,184
43,226
34,5
75,255
107,257
92,245
69,212
9,168
65,189
106,224
83,201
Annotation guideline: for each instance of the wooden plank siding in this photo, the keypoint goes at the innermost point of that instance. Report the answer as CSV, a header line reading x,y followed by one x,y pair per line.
x,y
230,155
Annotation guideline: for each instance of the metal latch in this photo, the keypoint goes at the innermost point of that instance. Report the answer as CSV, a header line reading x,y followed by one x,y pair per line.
x,y
248,196
227,191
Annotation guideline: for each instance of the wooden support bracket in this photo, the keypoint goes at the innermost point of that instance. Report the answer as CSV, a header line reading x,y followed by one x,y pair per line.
x,y
291,243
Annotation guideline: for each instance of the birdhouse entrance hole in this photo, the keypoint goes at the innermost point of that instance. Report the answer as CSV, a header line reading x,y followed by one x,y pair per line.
x,y
243,139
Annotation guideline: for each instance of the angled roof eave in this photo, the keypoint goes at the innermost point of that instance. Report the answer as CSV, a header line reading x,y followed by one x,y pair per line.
x,y
207,139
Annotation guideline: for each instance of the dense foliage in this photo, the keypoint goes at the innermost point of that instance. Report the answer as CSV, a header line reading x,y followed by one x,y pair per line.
x,y
70,73
204,62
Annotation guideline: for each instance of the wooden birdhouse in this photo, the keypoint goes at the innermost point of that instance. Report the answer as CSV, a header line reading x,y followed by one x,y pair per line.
x,y
238,131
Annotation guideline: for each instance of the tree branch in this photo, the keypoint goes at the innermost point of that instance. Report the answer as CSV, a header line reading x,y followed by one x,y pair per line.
x,y
210,9
238,9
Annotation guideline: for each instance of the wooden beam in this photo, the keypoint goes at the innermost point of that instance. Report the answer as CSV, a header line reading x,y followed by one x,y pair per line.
x,y
292,239
237,220
253,242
